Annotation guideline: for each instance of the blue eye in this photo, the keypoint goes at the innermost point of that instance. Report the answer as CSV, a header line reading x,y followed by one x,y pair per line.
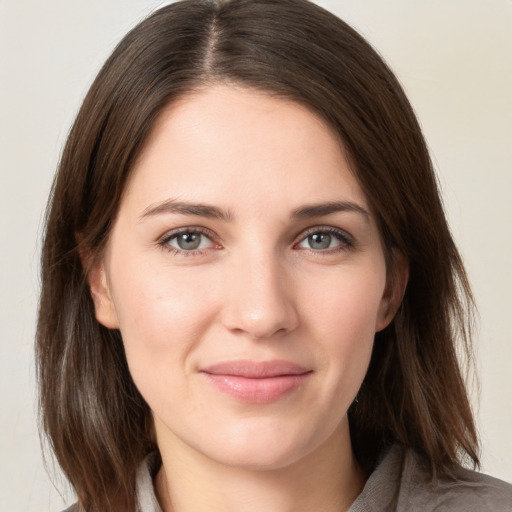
x,y
325,239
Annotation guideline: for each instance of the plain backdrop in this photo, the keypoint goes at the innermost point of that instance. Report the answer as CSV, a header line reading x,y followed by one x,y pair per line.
x,y
454,58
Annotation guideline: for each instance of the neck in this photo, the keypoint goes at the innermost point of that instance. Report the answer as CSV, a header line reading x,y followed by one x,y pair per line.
x,y
328,479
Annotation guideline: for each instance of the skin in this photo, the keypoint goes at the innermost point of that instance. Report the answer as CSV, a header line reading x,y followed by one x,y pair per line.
x,y
260,287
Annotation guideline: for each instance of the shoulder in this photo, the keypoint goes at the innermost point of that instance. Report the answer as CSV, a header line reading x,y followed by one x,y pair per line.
x,y
464,491
72,508
476,491
145,493
401,482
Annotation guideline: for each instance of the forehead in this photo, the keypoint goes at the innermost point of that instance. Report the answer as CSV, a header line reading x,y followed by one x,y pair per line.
x,y
224,145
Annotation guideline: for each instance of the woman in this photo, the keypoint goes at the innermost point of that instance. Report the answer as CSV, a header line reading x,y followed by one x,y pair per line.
x,y
250,295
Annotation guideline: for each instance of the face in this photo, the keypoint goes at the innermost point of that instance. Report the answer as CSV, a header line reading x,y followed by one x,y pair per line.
x,y
247,277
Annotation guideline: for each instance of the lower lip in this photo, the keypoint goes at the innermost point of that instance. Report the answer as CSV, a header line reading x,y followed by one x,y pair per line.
x,y
257,390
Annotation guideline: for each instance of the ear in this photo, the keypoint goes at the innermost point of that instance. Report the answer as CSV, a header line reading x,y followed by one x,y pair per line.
x,y
100,293
396,284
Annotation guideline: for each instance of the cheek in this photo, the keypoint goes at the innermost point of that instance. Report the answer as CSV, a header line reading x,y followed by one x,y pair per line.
x,y
344,318
348,302
158,313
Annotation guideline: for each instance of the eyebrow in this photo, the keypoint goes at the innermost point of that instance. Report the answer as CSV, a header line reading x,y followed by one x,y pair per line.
x,y
321,209
186,208
214,212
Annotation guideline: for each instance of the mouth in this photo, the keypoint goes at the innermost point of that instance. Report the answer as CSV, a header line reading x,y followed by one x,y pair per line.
x,y
256,382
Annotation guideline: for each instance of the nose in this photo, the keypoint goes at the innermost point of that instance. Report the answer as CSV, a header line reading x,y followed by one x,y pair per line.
x,y
261,301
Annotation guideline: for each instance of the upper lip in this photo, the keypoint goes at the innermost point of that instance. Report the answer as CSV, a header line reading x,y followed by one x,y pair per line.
x,y
255,369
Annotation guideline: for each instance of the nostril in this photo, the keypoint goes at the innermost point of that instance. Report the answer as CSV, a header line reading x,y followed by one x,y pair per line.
x,y
261,324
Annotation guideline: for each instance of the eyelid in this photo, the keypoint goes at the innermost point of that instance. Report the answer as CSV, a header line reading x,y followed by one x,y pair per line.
x,y
346,239
164,240
186,229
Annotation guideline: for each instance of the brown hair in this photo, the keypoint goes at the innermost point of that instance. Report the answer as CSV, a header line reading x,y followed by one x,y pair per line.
x,y
96,421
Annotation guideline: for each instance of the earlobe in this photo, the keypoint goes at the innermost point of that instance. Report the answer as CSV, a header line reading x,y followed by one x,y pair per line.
x,y
100,293
394,291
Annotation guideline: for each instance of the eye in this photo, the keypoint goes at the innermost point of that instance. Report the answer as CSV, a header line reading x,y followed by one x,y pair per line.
x,y
326,239
188,240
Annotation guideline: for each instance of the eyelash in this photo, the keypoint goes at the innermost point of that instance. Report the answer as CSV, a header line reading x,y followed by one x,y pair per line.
x,y
164,242
346,241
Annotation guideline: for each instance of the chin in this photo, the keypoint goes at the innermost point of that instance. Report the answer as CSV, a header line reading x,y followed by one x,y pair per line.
x,y
271,459
265,450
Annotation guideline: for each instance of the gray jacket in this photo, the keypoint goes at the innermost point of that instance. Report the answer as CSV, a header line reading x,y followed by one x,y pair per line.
x,y
400,483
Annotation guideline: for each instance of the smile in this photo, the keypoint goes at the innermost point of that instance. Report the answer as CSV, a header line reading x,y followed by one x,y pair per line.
x,y
256,382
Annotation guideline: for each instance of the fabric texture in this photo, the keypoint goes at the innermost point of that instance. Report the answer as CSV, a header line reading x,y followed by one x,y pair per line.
x,y
400,483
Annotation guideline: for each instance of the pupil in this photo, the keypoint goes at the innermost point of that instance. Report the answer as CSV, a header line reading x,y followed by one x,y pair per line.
x,y
189,241
319,241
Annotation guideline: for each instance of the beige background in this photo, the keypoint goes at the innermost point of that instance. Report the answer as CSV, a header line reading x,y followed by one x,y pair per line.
x,y
454,58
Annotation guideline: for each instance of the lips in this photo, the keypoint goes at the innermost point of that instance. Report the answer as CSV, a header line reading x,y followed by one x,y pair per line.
x,y
257,382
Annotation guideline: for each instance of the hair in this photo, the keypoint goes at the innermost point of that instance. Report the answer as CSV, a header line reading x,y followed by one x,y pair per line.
x,y
97,423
